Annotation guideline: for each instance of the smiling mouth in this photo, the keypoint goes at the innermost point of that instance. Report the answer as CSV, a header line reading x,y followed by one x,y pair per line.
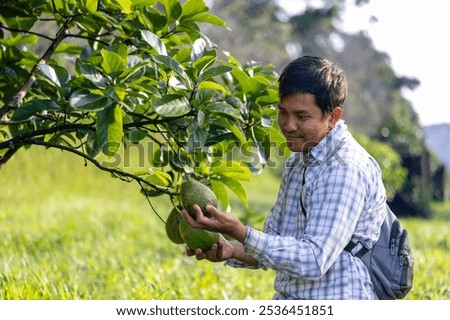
x,y
293,138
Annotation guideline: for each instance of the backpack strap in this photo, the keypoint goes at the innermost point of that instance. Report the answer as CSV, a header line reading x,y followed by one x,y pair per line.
x,y
351,245
303,184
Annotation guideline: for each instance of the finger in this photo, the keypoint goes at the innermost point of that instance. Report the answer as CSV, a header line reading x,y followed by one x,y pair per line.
x,y
186,216
213,211
199,254
189,251
222,239
220,246
198,213
212,253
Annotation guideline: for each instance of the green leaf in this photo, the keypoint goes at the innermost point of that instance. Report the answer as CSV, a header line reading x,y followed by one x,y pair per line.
x,y
172,64
112,62
64,6
143,3
223,109
193,7
198,49
50,73
99,19
69,49
271,139
90,5
172,105
221,193
156,18
205,61
210,85
242,78
209,18
232,169
248,84
160,157
252,85
133,72
266,121
214,71
83,99
262,144
269,98
92,148
93,75
32,107
15,41
153,40
109,130
197,138
236,187
125,5
135,135
160,178
232,126
173,10
62,74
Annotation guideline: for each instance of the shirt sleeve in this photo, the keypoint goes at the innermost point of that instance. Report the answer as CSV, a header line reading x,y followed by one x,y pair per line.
x,y
334,203
270,227
239,264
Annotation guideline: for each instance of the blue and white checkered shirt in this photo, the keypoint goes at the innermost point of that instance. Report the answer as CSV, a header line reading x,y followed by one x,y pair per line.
x,y
343,197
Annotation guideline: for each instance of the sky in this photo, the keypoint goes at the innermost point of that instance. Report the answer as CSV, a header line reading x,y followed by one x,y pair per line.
x,y
416,36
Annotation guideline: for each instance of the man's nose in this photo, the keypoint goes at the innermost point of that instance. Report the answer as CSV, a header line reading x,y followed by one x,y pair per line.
x,y
290,124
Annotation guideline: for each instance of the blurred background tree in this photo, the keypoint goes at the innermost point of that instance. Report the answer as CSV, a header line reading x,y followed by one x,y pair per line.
x,y
262,33
375,109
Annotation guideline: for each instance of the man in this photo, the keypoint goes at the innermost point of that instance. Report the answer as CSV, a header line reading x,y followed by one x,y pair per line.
x,y
331,192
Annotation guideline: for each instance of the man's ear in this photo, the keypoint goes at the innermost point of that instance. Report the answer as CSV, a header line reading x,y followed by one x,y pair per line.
x,y
336,114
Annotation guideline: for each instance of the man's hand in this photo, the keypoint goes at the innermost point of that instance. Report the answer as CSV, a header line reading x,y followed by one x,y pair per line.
x,y
217,221
222,251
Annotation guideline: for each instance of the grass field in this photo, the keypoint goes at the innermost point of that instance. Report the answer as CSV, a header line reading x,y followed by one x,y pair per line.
x,y
72,232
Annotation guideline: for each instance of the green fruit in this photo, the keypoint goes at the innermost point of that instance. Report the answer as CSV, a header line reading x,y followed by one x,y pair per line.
x,y
172,228
197,238
194,192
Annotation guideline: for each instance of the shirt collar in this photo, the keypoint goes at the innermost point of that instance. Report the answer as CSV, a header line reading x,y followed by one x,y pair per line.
x,y
327,145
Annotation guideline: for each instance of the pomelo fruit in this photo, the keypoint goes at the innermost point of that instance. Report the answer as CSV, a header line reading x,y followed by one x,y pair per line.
x,y
172,228
194,192
197,238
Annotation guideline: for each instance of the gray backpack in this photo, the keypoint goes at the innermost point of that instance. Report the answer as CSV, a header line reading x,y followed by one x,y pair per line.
x,y
390,262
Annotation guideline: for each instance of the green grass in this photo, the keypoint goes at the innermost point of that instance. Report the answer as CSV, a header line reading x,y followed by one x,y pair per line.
x,y
72,232
431,244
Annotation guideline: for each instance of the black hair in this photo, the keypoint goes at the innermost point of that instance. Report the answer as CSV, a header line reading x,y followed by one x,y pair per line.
x,y
317,76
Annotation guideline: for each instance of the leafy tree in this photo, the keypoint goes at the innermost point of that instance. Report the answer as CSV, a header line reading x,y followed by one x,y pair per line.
x,y
394,175
114,74
256,33
402,130
374,107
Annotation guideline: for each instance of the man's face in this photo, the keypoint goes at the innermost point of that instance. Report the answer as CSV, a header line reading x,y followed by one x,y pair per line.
x,y
302,122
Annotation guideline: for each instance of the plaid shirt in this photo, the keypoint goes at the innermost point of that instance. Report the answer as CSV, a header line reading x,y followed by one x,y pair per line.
x,y
343,196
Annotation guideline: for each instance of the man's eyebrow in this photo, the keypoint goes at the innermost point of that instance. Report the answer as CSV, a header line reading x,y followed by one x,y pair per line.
x,y
300,111
294,111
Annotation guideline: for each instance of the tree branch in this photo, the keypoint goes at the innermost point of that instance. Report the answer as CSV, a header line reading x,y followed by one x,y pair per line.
x,y
88,38
7,156
119,173
14,102
17,140
27,32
